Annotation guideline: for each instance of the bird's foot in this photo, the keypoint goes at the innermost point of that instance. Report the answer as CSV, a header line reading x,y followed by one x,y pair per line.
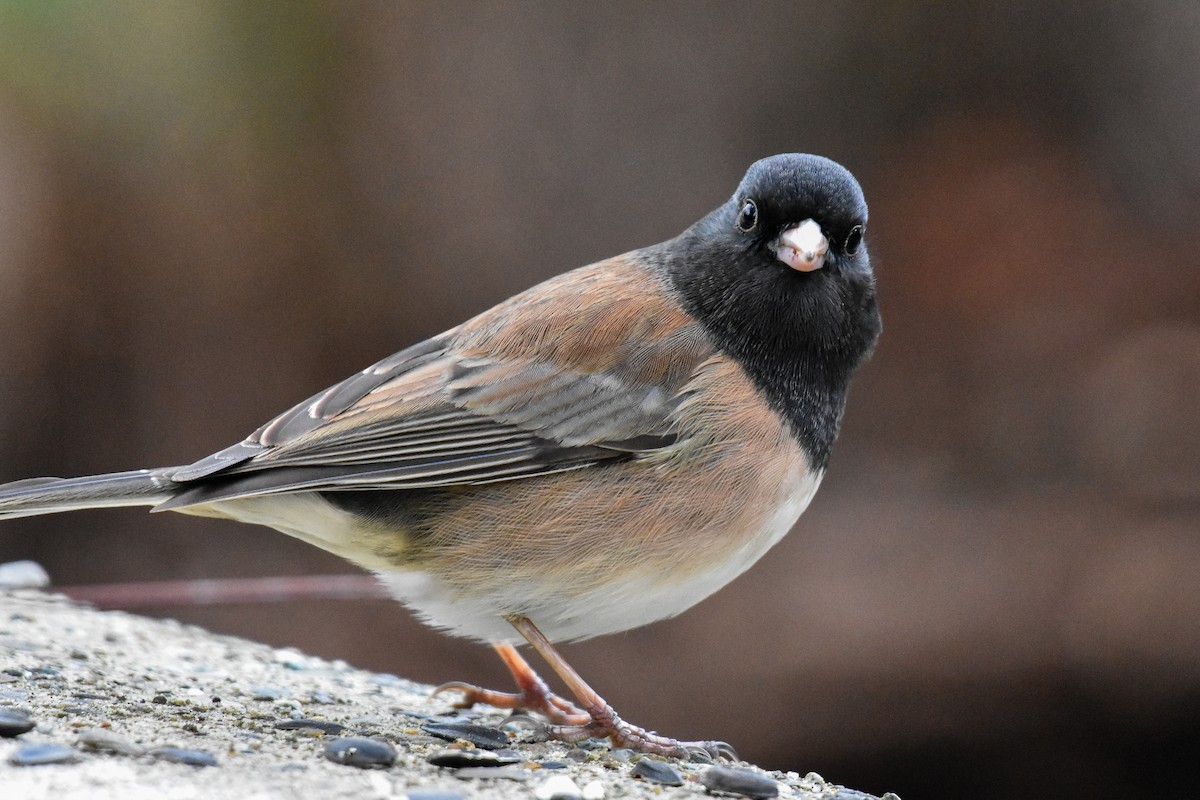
x,y
533,694
558,710
604,723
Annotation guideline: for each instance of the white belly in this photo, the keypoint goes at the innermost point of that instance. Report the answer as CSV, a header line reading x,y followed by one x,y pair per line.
x,y
562,615
617,607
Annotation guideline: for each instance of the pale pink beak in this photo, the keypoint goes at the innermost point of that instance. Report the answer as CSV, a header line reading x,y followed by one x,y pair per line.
x,y
802,247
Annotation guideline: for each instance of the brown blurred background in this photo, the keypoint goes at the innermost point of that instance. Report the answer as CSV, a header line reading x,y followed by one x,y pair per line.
x,y
210,210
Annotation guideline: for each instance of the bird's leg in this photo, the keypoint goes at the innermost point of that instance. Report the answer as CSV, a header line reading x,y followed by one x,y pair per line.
x,y
534,694
603,721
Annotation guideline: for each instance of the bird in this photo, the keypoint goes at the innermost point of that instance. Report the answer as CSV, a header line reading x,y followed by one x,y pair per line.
x,y
598,452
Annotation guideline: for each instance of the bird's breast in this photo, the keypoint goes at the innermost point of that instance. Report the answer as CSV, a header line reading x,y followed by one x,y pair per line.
x,y
609,548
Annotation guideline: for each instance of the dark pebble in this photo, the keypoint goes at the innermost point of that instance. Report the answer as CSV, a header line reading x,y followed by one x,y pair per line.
x,y
470,758
552,764
433,794
593,744
655,771
743,782
322,725
478,735
34,755
512,773
14,723
578,755
183,755
159,699
361,753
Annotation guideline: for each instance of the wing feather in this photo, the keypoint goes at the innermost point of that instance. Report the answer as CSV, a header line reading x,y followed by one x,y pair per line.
x,y
585,368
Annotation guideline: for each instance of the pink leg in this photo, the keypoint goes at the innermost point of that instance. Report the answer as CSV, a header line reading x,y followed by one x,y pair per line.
x,y
600,718
533,694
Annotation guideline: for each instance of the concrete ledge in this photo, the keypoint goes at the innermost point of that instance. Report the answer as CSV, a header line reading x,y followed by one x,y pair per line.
x,y
128,698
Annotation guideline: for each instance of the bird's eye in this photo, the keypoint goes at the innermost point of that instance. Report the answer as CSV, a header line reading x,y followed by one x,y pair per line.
x,y
853,240
747,217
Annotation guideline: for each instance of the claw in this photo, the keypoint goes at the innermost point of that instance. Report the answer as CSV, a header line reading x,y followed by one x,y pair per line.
x,y
540,729
605,724
470,693
707,752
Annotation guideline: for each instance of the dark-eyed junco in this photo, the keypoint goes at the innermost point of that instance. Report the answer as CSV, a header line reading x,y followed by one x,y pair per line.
x,y
601,451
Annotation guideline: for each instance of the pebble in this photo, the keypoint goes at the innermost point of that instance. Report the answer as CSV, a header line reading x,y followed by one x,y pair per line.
x,y
470,758
743,782
266,693
478,735
510,753
552,764
14,722
23,575
558,787
593,790
184,755
359,752
593,744
292,659
576,754
433,794
34,755
513,773
388,679
324,726
622,755
654,771
103,741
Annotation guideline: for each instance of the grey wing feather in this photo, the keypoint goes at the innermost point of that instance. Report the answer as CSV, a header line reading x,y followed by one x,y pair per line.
x,y
310,414
481,421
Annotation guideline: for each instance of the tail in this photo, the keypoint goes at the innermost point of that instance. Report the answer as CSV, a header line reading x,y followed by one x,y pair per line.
x,y
143,487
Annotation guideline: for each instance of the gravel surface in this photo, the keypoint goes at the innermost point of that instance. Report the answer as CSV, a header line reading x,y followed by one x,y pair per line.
x,y
127,707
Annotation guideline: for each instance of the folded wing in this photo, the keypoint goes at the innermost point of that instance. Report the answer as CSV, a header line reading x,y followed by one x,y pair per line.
x,y
583,369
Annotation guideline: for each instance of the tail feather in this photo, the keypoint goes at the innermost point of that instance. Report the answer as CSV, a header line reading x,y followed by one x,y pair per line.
x,y
27,498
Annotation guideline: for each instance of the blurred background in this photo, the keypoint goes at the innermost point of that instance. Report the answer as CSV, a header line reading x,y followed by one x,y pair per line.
x,y
210,210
